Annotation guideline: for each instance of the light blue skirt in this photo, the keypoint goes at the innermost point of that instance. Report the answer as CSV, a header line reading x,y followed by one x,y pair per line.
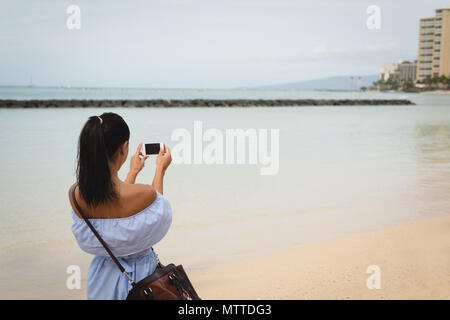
x,y
106,282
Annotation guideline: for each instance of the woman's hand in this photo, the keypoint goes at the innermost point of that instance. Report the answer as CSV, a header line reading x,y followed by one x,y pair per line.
x,y
137,162
163,159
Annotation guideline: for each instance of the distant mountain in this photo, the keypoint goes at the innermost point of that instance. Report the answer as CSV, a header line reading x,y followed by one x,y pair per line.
x,y
330,83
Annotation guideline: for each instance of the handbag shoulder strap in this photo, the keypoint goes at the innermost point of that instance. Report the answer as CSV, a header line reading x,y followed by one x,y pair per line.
x,y
113,257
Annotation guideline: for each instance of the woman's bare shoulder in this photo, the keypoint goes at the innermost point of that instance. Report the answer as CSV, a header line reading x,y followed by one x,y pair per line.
x,y
70,191
133,198
141,195
72,203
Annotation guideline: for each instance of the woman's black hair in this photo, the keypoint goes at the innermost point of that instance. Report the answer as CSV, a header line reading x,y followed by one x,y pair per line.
x,y
98,142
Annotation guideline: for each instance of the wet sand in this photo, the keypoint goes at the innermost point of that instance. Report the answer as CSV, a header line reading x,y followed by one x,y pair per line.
x,y
413,258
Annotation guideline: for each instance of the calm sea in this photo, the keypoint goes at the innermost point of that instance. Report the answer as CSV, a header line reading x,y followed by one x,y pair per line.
x,y
24,93
342,170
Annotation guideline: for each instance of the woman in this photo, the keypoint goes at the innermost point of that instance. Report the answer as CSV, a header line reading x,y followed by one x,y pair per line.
x,y
130,217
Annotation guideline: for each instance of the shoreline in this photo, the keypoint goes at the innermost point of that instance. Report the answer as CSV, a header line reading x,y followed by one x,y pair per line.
x,y
187,103
413,258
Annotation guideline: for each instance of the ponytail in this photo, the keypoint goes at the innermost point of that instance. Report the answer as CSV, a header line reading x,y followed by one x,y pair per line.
x,y
99,140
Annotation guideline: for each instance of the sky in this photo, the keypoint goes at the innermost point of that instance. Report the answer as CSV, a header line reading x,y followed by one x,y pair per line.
x,y
202,44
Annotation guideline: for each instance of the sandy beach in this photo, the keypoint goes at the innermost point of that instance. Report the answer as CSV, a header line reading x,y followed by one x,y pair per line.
x,y
413,257
414,260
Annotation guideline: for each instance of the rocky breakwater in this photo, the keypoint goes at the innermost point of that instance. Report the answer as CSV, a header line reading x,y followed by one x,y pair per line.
x,y
14,104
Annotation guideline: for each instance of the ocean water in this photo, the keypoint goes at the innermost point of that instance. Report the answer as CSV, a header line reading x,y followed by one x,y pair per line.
x,y
342,170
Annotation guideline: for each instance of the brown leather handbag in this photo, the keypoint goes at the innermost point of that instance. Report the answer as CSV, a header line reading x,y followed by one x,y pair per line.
x,y
166,283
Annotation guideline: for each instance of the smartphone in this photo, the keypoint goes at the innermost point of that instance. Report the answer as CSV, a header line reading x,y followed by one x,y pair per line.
x,y
152,148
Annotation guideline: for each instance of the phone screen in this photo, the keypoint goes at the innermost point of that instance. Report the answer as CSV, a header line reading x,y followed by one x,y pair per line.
x,y
152,148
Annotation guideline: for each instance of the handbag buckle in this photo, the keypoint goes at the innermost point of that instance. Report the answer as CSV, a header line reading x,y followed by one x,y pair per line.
x,y
148,293
176,282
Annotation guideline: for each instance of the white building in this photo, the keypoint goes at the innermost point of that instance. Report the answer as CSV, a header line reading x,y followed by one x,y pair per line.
x,y
401,71
387,71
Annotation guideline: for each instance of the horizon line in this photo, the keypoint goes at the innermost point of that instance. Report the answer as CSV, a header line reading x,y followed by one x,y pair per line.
x,y
178,88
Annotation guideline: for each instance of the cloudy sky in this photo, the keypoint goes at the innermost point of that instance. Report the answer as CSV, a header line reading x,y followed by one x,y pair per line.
x,y
202,43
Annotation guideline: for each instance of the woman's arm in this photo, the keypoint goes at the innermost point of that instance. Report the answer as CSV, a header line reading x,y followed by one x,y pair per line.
x,y
158,180
136,165
162,163
131,177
